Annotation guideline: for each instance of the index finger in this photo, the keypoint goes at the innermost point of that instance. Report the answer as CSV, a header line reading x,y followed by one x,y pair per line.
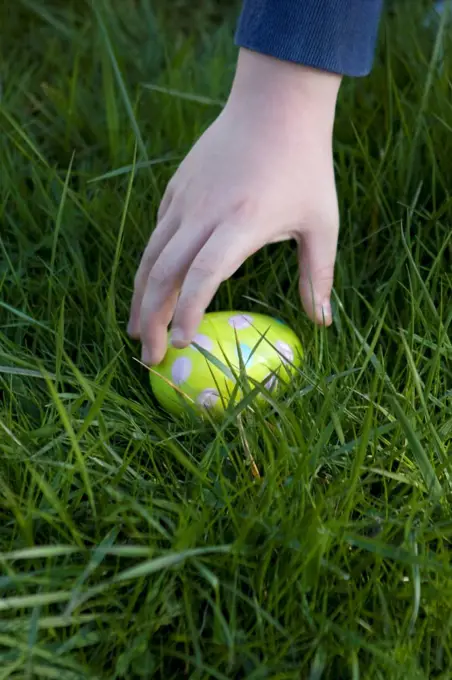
x,y
226,250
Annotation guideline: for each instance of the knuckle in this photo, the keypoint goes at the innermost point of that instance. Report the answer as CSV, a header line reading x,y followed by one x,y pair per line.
x,y
200,271
161,211
323,275
244,207
172,183
164,205
160,278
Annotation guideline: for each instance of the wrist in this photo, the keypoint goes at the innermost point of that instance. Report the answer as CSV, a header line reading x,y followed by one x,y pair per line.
x,y
289,92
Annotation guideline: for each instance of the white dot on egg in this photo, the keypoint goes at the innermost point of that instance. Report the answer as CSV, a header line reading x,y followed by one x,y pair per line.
x,y
208,398
240,321
271,382
181,370
204,341
285,350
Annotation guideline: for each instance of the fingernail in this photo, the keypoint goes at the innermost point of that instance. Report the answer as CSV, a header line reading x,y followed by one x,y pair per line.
x,y
145,356
326,311
177,338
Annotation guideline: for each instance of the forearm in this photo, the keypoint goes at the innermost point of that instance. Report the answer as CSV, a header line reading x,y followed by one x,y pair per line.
x,y
332,35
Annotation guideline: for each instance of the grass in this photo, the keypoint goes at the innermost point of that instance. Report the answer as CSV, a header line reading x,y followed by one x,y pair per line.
x,y
137,546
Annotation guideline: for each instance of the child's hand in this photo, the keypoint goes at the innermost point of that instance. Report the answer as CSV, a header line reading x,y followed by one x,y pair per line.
x,y
262,173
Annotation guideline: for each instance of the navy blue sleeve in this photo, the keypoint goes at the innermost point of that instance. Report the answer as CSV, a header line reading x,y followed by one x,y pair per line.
x,y
332,35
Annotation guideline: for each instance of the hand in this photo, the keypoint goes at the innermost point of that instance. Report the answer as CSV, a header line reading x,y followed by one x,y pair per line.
x,y
262,173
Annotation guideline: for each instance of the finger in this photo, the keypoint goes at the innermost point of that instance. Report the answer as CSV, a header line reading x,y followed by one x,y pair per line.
x,y
161,236
317,254
163,286
227,248
164,204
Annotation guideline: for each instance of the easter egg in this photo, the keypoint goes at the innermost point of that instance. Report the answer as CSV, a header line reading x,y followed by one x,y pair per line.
x,y
227,345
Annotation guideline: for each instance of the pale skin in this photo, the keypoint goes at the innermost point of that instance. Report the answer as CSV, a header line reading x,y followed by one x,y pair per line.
x,y
261,173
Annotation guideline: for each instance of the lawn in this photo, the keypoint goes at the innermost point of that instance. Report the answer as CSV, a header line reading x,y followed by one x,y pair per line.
x,y
135,545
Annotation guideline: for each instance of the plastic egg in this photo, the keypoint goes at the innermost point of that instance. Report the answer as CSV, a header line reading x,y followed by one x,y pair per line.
x,y
227,344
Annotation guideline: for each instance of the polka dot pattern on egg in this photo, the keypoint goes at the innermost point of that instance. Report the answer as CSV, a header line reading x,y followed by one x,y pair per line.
x,y
208,398
270,352
181,370
271,382
240,321
204,341
285,350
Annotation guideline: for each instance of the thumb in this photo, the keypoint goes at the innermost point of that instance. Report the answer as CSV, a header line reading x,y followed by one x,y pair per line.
x,y
317,255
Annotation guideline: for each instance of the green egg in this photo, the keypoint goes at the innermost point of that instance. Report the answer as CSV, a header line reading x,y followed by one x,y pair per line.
x,y
203,373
